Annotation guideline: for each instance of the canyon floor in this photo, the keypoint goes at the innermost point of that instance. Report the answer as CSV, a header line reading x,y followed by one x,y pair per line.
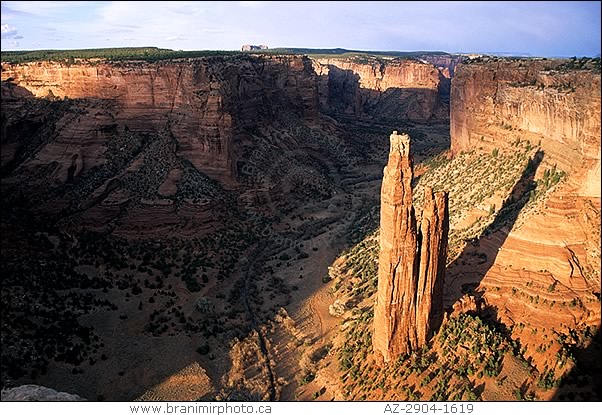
x,y
138,327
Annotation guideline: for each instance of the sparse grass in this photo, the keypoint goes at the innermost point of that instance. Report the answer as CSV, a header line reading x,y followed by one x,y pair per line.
x,y
472,180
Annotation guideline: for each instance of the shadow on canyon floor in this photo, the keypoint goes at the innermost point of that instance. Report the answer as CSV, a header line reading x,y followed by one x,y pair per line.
x,y
346,96
493,237
583,382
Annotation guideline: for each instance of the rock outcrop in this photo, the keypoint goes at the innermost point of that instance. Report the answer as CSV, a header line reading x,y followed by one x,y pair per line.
x,y
35,393
432,248
411,262
247,47
370,88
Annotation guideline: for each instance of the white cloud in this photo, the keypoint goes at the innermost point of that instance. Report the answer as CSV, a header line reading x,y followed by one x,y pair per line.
x,y
154,23
41,7
210,30
11,44
124,12
9,32
252,4
178,37
185,7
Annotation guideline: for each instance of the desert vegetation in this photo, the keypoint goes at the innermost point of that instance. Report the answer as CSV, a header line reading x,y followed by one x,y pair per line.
x,y
466,354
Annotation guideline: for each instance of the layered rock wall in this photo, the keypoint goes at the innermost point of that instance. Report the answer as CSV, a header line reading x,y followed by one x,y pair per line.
x,y
550,249
204,102
495,103
411,262
446,64
394,89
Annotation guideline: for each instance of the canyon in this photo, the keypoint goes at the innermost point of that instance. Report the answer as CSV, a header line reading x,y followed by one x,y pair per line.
x,y
396,89
554,244
208,103
523,243
224,210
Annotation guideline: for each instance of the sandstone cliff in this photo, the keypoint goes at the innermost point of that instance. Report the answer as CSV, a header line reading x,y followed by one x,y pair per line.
x,y
394,89
204,102
411,261
551,247
493,103
206,105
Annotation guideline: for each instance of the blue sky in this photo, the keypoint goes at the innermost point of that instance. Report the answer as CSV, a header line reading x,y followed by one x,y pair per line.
x,y
536,28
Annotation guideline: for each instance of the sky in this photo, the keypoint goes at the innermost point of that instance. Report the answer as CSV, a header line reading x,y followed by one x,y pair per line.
x,y
542,28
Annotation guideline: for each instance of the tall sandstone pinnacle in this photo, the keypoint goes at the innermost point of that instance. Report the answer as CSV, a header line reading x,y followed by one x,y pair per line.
x,y
411,263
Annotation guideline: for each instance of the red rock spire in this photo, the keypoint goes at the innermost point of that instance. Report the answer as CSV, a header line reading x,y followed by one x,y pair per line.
x,y
411,262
